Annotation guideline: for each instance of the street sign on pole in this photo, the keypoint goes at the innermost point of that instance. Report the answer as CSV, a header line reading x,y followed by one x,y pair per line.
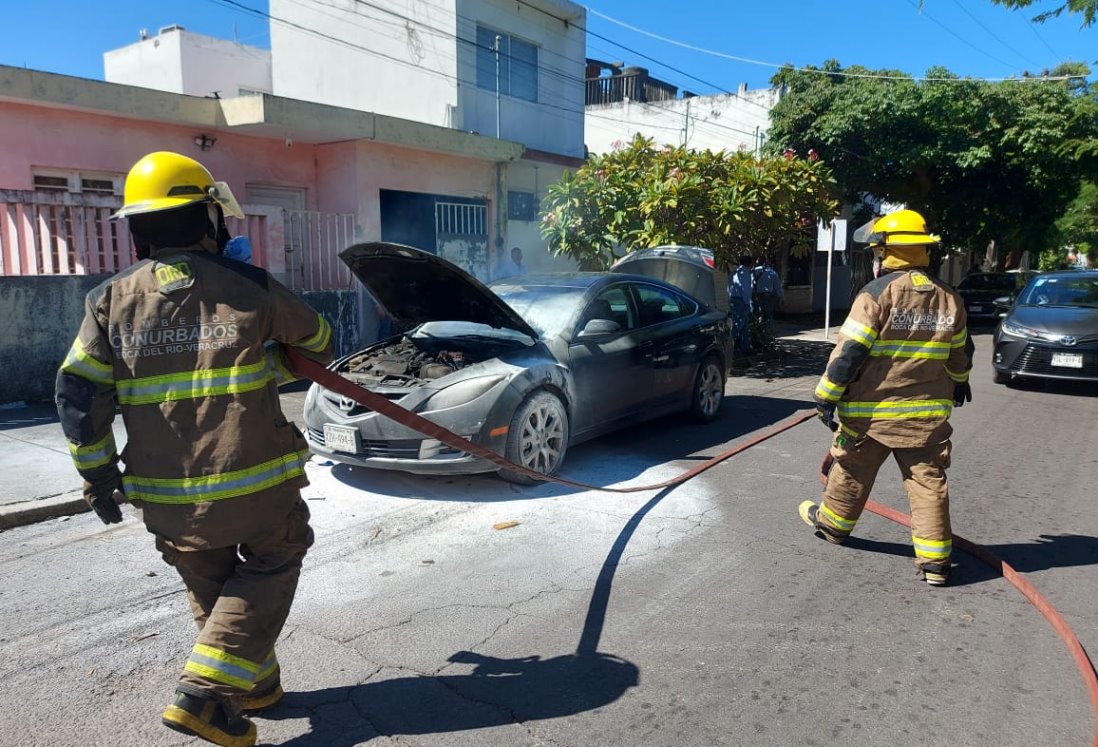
x,y
830,238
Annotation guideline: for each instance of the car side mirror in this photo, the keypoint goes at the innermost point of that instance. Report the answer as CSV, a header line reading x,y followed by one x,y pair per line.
x,y
1003,304
598,328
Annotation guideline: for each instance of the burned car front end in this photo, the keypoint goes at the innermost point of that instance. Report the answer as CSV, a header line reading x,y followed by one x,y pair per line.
x,y
464,377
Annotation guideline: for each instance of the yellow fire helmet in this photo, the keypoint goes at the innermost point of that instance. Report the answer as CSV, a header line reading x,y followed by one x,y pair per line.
x,y
903,228
164,180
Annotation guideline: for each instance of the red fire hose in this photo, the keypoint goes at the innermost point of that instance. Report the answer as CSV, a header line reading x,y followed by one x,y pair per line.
x,y
336,383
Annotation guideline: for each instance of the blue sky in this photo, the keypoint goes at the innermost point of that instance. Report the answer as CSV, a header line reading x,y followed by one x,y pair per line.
x,y
970,37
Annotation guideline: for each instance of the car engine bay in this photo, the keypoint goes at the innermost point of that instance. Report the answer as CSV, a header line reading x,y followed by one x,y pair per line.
x,y
404,364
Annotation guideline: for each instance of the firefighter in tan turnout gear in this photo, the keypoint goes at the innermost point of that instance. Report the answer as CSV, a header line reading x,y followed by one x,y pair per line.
x,y
900,365
188,344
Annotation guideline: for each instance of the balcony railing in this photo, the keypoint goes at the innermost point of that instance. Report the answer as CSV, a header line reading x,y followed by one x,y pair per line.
x,y
635,86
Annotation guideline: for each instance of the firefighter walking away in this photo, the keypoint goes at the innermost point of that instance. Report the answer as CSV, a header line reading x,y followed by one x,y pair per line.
x,y
189,345
901,363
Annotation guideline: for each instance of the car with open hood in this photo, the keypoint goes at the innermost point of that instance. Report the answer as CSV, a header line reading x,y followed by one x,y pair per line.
x,y
525,366
1051,330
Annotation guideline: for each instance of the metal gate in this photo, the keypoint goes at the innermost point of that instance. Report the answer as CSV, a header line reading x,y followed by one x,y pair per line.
x,y
461,232
313,241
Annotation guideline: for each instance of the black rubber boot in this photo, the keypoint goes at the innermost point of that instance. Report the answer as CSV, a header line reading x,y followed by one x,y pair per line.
x,y
208,718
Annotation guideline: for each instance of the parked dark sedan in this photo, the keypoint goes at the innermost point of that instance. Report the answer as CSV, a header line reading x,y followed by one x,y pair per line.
x,y
526,366
1051,330
981,289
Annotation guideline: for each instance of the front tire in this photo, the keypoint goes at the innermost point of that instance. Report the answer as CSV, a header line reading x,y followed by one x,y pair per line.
x,y
708,393
537,438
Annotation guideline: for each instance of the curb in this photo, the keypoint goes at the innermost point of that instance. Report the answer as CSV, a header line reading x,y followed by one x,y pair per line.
x,y
29,512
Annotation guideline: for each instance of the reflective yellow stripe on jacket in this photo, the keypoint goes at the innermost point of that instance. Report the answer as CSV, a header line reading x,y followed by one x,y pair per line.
x,y
216,487
859,332
319,341
94,455
79,363
828,390
193,384
958,340
924,349
916,408
217,666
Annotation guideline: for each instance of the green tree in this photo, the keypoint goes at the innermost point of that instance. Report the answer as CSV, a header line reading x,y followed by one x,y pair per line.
x,y
980,160
640,196
1089,9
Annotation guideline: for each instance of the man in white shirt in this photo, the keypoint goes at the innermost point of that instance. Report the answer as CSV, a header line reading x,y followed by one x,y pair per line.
x,y
514,265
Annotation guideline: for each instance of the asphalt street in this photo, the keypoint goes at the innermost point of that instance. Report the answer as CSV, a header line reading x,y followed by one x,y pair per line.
x,y
707,614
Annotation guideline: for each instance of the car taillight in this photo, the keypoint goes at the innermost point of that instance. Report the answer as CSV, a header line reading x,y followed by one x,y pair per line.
x,y
709,262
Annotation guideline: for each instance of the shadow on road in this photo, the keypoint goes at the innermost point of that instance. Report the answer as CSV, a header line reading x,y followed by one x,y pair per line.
x,y
1055,386
23,417
607,460
1049,551
789,359
497,692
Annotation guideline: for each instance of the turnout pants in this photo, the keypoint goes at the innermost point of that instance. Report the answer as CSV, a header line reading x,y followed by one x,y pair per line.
x,y
923,469
240,596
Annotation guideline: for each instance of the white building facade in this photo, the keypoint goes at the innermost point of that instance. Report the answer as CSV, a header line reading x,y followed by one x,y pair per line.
x,y
730,121
435,61
179,61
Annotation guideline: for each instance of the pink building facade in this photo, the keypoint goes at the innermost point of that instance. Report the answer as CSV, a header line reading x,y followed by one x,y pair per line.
x,y
313,178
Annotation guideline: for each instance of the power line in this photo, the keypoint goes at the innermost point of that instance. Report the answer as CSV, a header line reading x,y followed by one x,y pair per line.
x,y
319,34
993,35
552,71
641,54
954,34
818,71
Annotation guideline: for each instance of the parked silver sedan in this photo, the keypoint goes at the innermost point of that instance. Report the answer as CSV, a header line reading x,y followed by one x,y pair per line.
x,y
526,366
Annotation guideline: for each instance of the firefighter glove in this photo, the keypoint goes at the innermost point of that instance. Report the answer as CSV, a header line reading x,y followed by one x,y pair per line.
x,y
825,411
104,497
961,393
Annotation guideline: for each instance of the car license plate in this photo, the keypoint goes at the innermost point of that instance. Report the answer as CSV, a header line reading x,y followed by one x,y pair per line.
x,y
1067,360
976,309
341,438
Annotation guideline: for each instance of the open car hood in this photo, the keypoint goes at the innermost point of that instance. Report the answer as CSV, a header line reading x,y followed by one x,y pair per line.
x,y
417,287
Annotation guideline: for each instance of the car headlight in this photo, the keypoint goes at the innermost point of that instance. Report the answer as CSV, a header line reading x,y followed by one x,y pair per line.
x,y
460,393
1012,328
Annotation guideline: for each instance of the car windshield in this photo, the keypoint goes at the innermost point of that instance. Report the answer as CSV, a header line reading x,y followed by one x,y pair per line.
x,y
546,308
1061,291
470,331
1003,282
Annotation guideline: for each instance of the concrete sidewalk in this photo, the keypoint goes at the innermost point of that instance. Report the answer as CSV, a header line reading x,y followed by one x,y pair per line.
x,y
37,478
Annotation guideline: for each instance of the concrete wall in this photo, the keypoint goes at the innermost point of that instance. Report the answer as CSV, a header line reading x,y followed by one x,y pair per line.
x,y
407,61
367,59
194,64
554,122
41,316
533,177
723,122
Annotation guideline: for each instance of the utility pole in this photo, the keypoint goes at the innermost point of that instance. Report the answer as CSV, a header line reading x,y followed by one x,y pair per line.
x,y
495,48
686,126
